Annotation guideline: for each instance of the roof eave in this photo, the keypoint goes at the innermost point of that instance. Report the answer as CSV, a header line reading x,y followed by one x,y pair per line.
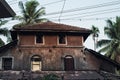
x,y
84,33
7,46
103,57
5,10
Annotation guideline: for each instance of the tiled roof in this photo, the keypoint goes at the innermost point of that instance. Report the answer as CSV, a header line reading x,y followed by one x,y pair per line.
x,y
103,57
51,26
7,46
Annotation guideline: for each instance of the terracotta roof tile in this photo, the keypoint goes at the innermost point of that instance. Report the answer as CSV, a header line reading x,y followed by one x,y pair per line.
x,y
50,26
97,54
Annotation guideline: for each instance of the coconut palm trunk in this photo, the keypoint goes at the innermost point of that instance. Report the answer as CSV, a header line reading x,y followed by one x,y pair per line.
x,y
111,46
95,35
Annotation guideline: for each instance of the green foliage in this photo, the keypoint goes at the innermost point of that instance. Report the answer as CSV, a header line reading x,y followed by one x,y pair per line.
x,y
95,31
3,22
50,77
95,35
4,32
30,13
1,42
111,46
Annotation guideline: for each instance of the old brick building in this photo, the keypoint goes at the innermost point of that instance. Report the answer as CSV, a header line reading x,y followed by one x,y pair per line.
x,y
53,47
56,47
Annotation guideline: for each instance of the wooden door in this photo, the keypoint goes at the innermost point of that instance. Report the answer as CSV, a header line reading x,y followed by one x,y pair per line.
x,y
69,63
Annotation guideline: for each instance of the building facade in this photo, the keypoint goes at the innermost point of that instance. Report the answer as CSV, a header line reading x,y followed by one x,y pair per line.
x,y
46,48
50,47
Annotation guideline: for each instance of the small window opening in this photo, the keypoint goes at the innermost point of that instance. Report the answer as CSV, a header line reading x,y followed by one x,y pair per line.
x,y
39,39
62,39
7,63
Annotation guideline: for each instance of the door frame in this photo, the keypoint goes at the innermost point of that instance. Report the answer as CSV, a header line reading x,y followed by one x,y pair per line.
x,y
71,59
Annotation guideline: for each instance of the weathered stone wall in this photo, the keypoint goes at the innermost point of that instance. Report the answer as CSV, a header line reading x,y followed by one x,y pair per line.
x,y
62,75
92,61
52,58
51,52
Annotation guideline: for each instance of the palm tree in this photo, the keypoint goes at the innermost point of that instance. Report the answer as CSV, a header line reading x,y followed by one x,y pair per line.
x,y
95,35
30,13
111,46
3,31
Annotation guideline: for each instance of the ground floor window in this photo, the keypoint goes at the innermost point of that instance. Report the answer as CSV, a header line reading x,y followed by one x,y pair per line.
x,y
36,63
7,63
68,63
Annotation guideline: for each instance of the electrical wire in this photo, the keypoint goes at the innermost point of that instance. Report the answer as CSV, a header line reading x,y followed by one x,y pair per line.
x,y
88,19
62,10
14,2
52,3
10,1
40,5
88,15
84,13
88,7
84,8
82,19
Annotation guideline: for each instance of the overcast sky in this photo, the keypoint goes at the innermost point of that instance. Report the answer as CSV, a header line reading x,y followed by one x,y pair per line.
x,y
81,13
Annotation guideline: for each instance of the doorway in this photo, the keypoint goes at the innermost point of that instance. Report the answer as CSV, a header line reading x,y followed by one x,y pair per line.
x,y
69,63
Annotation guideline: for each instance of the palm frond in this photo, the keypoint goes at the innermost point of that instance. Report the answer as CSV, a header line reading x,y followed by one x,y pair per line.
x,y
95,29
3,22
31,7
110,32
1,42
41,20
9,39
30,13
113,55
110,24
24,12
111,47
18,18
39,12
22,7
19,25
4,31
104,49
103,42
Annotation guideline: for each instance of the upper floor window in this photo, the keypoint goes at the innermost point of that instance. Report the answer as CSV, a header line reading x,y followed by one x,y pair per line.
x,y
62,39
39,39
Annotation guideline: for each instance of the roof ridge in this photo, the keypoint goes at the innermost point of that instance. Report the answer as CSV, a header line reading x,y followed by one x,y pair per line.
x,y
50,26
